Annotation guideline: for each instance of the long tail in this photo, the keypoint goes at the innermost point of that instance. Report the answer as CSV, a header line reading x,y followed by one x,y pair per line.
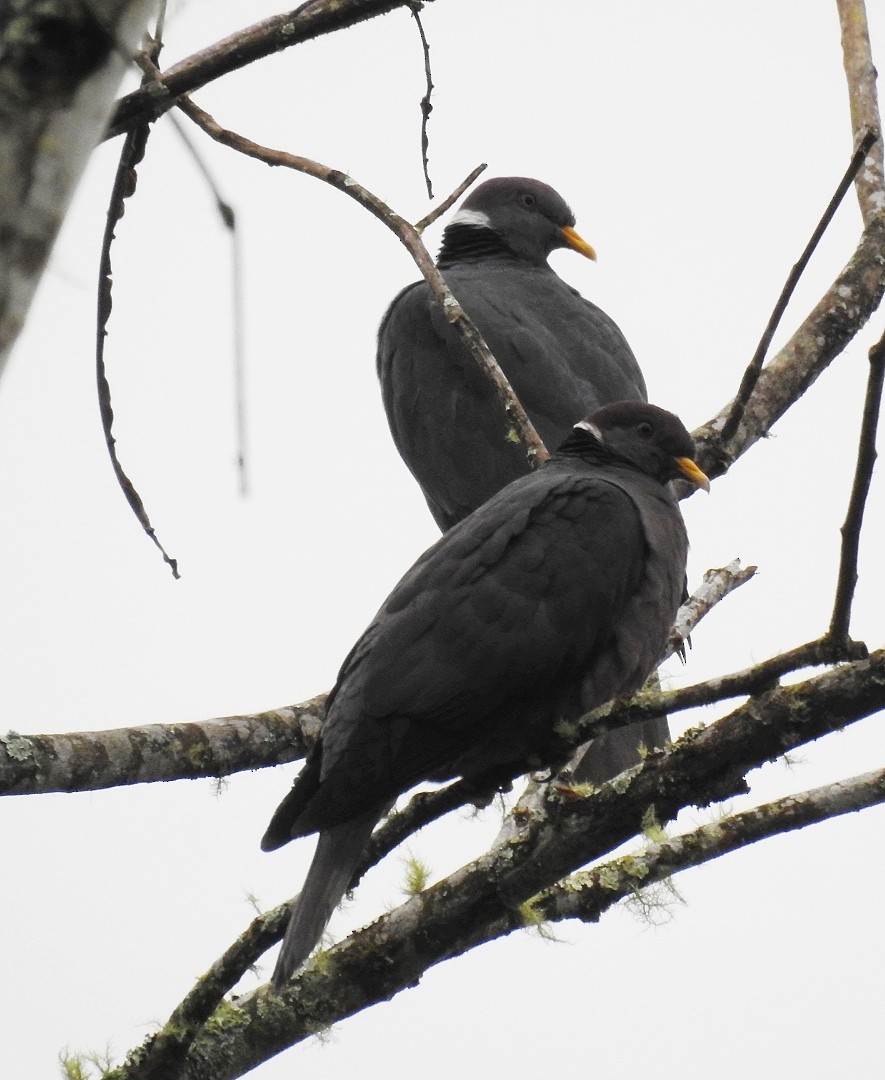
x,y
334,863
614,751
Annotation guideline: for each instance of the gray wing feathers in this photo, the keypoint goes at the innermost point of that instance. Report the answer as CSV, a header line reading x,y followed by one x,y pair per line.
x,y
442,411
334,863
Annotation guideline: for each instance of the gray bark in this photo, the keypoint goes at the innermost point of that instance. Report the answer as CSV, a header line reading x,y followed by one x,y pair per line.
x,y
61,62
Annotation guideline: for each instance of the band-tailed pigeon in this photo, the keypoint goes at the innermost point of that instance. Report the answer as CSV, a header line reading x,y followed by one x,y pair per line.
x,y
563,356
553,597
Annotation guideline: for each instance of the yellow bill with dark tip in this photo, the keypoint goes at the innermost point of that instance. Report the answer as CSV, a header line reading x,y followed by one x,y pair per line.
x,y
691,472
577,243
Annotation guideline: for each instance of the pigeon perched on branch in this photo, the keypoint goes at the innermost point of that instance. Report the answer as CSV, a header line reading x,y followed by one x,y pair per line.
x,y
550,599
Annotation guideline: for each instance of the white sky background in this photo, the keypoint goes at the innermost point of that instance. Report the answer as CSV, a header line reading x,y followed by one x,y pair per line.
x,y
698,144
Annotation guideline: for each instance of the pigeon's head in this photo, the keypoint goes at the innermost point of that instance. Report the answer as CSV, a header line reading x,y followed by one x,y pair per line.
x,y
523,216
650,439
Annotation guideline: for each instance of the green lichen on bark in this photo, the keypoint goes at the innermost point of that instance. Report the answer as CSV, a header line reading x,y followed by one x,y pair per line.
x,y
417,876
18,747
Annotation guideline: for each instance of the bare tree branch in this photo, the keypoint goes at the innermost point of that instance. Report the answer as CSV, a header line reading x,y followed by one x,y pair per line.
x,y
311,20
164,1053
172,1043
125,180
161,1057
93,760
498,893
515,426
751,375
866,459
565,828
754,680
588,894
441,208
834,321
716,585
426,104
860,74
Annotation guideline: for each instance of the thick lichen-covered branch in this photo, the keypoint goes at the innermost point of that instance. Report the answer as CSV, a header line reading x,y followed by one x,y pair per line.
x,y
170,1045
92,760
588,894
488,898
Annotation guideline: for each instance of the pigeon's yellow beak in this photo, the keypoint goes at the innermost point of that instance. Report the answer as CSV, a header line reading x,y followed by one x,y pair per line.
x,y
691,472
577,243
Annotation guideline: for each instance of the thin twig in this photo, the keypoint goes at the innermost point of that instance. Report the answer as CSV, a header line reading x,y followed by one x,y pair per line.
x,y
651,705
125,180
866,459
426,104
238,303
437,211
751,375
229,219
715,586
160,26
754,680
423,808
515,419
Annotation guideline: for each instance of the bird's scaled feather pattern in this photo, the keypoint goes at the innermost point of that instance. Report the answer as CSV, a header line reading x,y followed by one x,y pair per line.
x,y
550,599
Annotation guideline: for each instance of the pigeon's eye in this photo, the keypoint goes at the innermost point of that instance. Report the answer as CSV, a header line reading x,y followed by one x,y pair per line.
x,y
528,199
645,429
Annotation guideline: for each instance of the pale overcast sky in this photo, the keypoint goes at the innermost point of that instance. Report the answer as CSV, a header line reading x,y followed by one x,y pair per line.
x,y
698,144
